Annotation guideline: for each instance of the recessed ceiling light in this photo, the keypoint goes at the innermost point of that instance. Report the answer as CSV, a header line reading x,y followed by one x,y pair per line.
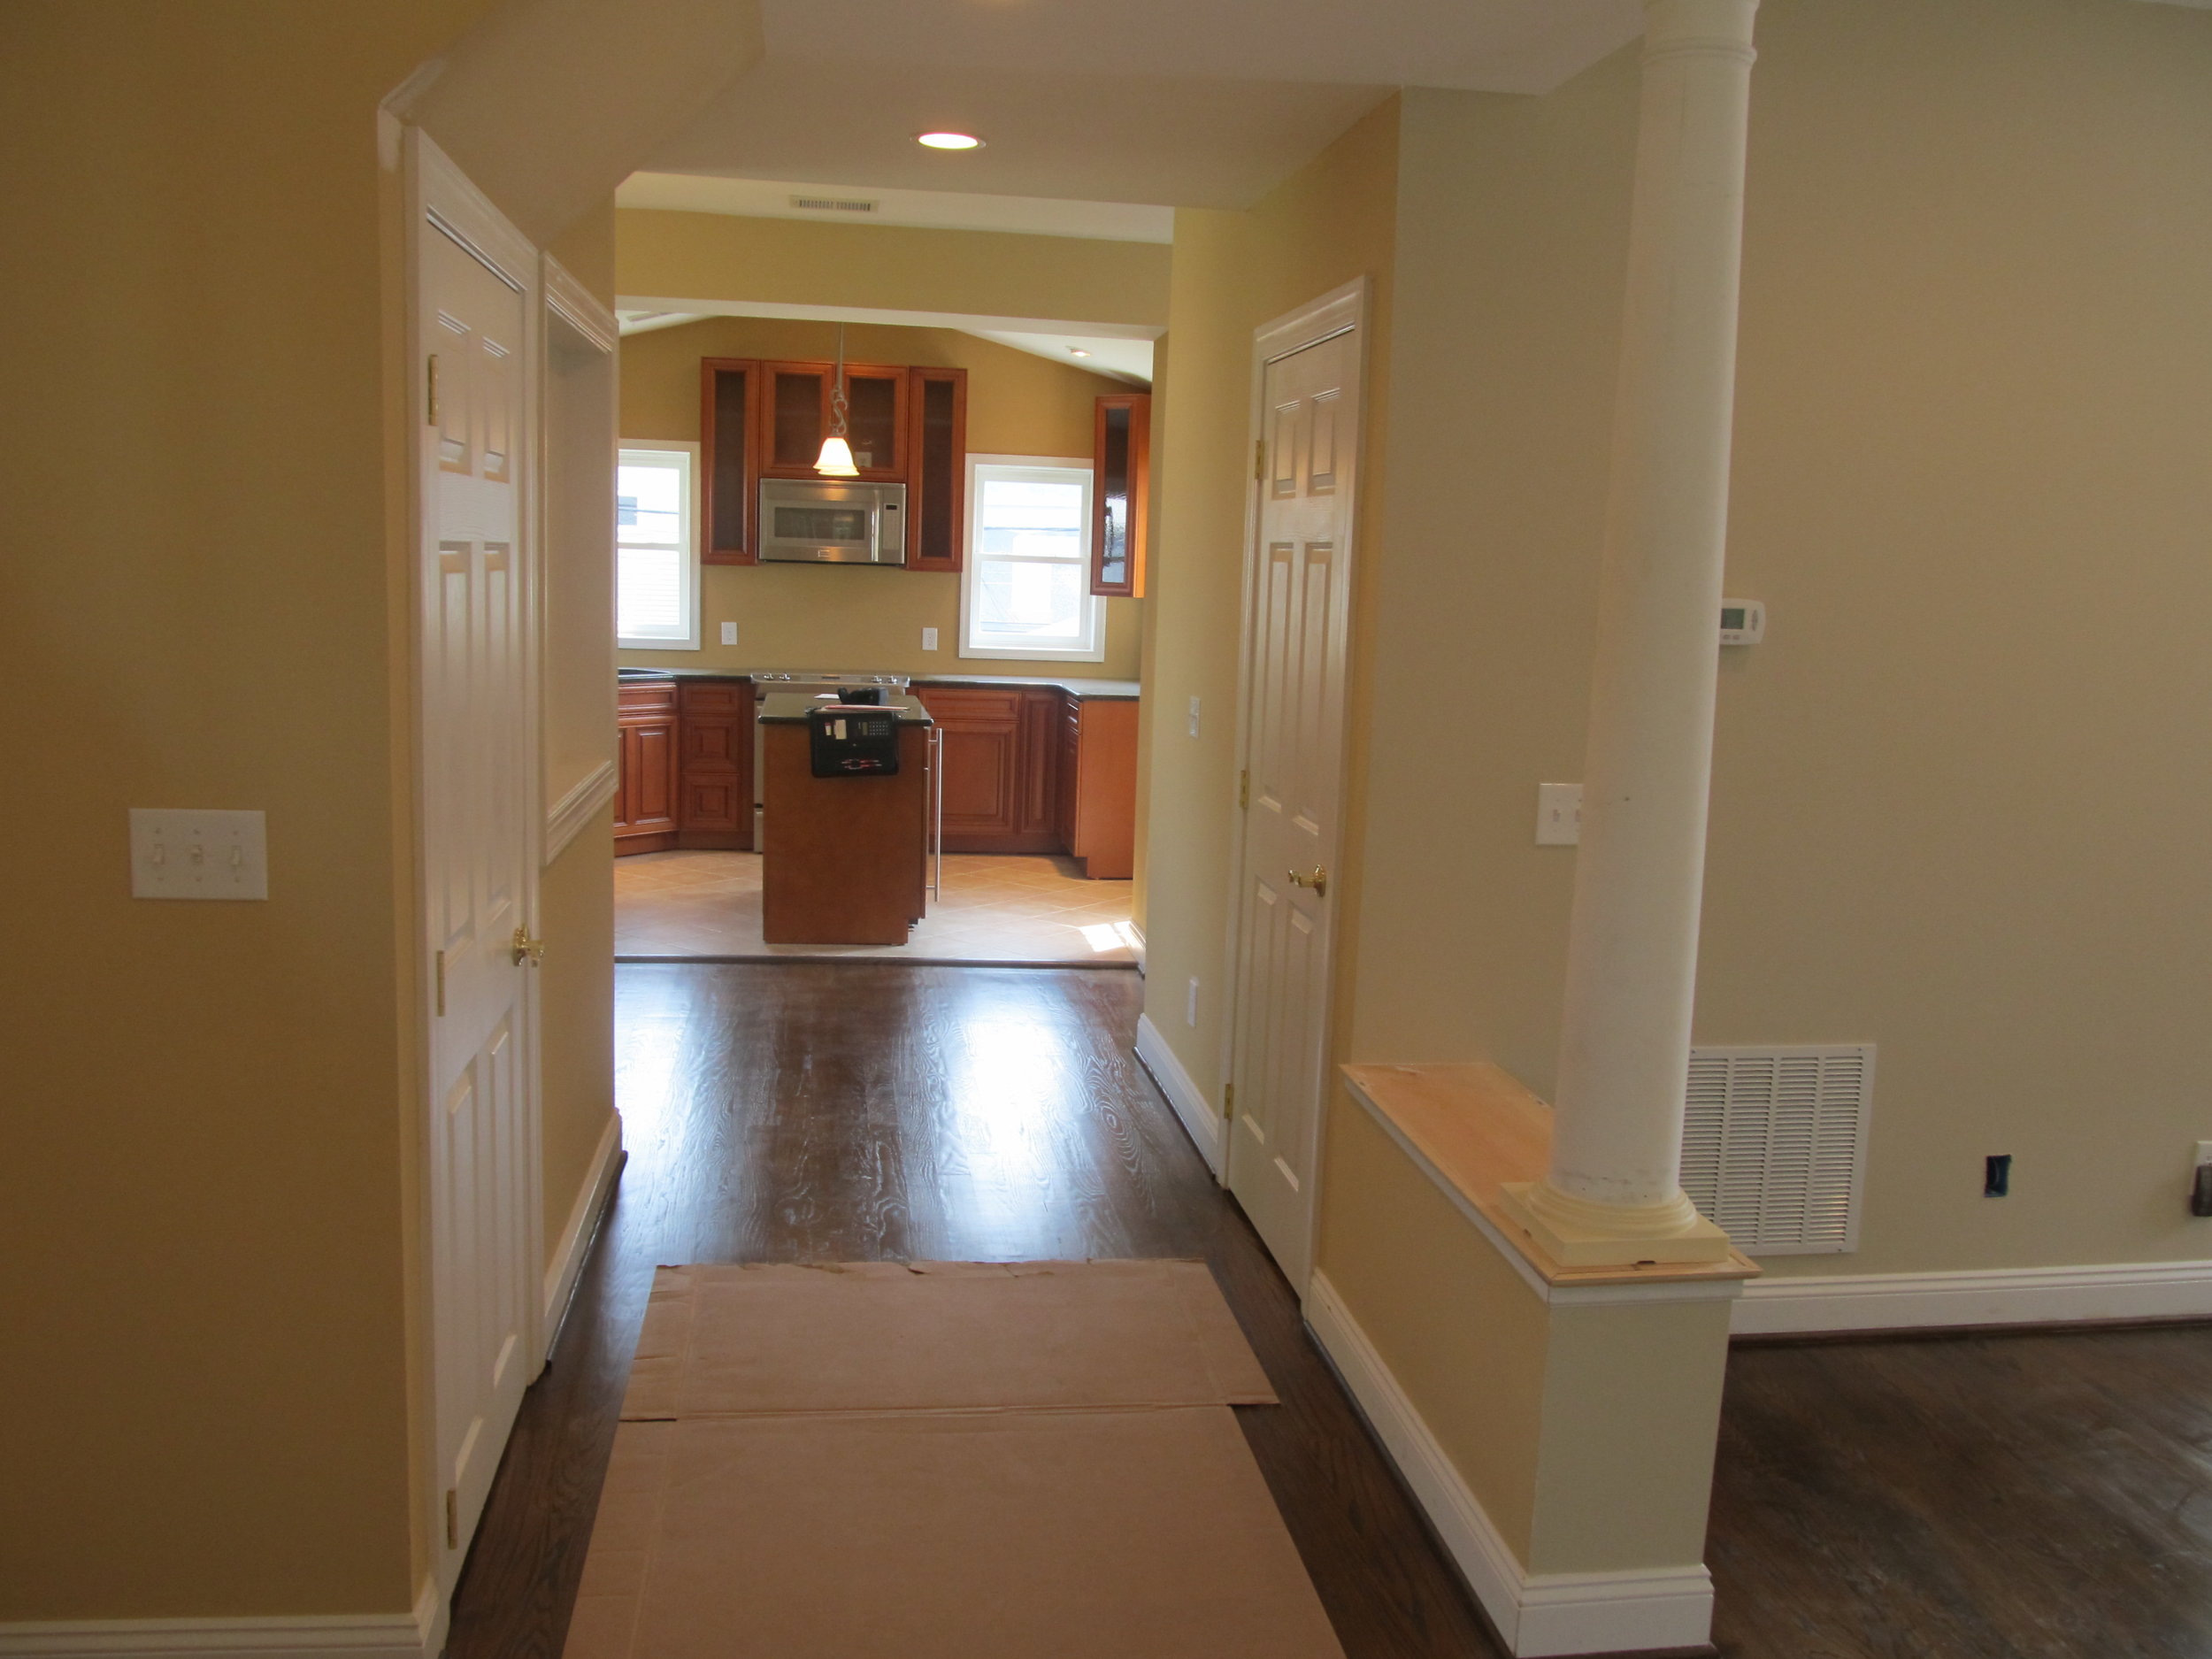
x,y
950,140
1078,352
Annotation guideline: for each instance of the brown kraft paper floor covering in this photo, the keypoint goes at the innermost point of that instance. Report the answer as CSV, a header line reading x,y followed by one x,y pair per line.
x,y
865,1461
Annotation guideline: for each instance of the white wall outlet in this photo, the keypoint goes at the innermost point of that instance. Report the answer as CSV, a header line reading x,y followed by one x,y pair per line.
x,y
1193,716
929,639
729,634
1190,1004
1742,621
1558,815
183,854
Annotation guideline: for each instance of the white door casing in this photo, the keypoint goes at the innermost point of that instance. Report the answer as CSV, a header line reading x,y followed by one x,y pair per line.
x,y
479,821
1297,603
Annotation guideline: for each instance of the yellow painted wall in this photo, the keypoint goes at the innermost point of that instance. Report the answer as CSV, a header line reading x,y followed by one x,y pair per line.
x,y
576,1003
576,891
893,267
793,615
204,1406
1329,223
203,289
1956,810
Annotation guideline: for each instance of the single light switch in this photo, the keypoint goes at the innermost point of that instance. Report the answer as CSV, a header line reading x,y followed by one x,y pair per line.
x,y
1193,716
929,639
1558,815
184,855
729,634
1190,1004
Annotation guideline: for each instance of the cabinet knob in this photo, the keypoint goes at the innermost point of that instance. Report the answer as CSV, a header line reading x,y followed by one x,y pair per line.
x,y
527,949
1317,878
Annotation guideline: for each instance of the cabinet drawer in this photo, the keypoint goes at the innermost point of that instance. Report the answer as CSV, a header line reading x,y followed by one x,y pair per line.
x,y
716,698
647,702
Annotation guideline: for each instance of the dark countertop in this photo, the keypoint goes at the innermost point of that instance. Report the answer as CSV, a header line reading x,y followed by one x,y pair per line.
x,y
1082,690
789,708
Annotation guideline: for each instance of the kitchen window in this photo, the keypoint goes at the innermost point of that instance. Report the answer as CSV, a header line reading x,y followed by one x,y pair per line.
x,y
1025,592
656,547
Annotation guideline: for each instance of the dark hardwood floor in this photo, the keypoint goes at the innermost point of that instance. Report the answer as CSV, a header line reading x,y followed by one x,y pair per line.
x,y
2005,1496
789,1112
1993,1497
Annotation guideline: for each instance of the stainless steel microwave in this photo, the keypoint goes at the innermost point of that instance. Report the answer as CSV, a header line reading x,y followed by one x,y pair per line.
x,y
831,521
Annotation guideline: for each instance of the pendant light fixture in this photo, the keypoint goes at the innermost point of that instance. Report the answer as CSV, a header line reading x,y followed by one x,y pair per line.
x,y
836,459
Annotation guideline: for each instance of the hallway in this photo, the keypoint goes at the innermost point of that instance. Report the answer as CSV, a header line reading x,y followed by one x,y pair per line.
x,y
1975,1497
850,1112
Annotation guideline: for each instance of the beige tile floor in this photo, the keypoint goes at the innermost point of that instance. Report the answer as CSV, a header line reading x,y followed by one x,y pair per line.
x,y
994,907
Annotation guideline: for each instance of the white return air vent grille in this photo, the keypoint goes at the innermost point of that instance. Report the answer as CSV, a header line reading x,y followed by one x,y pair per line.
x,y
834,203
1774,1141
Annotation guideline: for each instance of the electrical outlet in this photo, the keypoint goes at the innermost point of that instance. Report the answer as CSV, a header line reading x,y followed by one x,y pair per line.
x,y
929,639
1193,716
1190,1004
1558,815
176,854
729,634
1997,1175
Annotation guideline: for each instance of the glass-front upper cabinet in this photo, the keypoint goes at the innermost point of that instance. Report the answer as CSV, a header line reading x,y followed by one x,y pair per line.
x,y
1121,461
796,417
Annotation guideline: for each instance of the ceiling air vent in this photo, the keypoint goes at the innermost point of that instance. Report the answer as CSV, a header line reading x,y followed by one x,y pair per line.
x,y
834,203
1774,1141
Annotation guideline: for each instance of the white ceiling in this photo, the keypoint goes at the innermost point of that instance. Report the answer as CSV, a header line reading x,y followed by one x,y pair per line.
x,y
943,210
1162,102
1121,351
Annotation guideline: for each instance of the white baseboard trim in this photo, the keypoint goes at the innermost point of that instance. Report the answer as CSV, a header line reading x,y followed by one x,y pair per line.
x,y
2004,1295
1537,1614
417,1635
1200,1120
569,815
583,1221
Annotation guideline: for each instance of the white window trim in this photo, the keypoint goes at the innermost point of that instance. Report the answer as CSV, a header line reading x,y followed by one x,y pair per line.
x,y
1094,607
690,537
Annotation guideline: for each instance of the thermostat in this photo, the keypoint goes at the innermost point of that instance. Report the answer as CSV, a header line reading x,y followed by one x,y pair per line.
x,y
1742,621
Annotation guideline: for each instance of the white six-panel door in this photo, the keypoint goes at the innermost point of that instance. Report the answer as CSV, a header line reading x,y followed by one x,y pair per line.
x,y
477,795
1296,638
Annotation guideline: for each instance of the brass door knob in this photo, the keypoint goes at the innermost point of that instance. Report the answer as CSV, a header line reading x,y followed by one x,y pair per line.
x,y
526,949
1317,878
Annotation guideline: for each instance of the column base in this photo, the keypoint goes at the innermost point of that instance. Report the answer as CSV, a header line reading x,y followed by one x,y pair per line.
x,y
1575,1235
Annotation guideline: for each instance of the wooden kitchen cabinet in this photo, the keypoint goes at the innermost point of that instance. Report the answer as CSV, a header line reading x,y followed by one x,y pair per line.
x,y
1035,769
995,798
1121,493
715,798
937,455
646,796
729,419
1098,786
795,418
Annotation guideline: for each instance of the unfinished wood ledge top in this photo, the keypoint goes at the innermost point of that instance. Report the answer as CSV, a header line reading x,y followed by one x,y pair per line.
x,y
1471,1127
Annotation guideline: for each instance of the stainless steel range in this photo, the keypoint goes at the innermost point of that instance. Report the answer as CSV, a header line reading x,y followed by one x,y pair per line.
x,y
807,683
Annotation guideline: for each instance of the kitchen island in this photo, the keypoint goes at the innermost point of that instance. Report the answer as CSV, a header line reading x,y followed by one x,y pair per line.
x,y
848,856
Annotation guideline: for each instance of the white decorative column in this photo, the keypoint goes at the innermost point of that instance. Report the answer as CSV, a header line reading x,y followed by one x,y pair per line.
x,y
1614,1193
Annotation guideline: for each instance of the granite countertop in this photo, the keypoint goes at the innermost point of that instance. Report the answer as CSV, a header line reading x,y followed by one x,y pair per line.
x,y
1082,690
789,708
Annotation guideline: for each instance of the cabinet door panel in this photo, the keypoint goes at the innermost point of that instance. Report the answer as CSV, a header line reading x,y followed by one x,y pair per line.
x,y
979,778
729,390
937,453
653,804
1039,763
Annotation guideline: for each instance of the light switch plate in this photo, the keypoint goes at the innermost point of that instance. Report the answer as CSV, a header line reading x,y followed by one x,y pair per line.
x,y
1193,716
1558,815
729,634
188,855
929,639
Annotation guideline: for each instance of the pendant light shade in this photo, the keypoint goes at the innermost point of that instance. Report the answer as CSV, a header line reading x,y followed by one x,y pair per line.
x,y
836,459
